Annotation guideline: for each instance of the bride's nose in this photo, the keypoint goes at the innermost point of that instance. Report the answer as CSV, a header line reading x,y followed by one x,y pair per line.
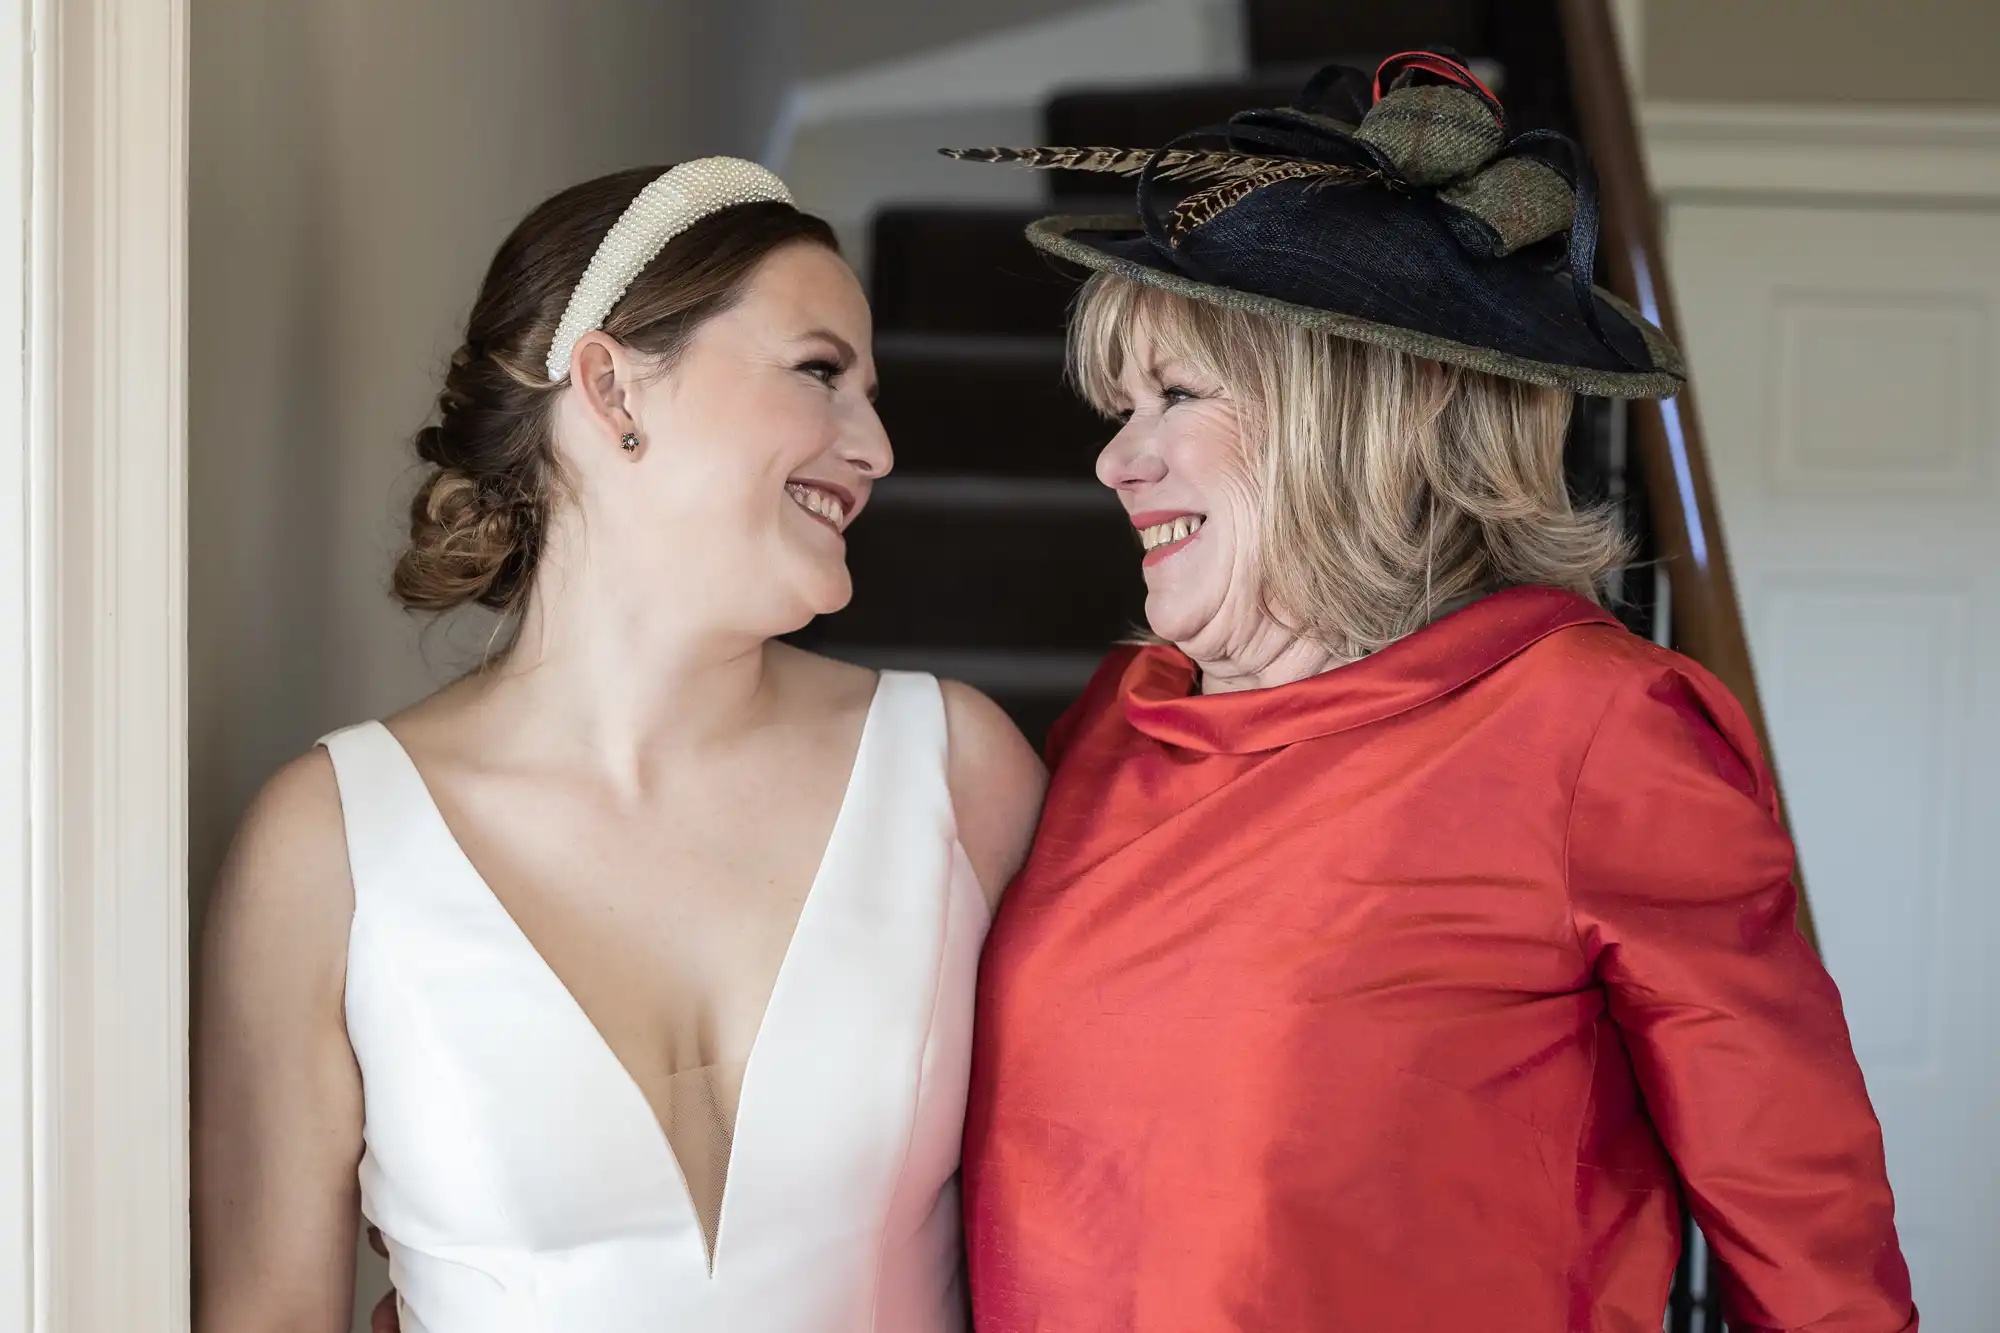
x,y
865,445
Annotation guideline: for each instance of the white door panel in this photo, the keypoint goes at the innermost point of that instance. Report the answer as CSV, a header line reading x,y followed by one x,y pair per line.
x,y
1849,376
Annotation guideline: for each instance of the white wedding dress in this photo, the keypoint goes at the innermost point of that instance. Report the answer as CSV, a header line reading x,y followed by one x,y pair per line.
x,y
516,1170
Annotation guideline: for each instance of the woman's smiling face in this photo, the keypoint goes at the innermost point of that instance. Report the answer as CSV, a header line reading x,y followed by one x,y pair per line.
x,y
1183,471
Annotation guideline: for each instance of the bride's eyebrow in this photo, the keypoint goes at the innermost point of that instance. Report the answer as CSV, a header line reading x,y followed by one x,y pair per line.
x,y
848,356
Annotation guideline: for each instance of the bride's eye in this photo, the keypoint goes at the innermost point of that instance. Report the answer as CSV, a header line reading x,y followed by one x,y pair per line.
x,y
826,372
1174,395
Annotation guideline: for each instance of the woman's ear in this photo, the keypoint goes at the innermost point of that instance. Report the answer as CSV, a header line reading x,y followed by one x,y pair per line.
x,y
602,371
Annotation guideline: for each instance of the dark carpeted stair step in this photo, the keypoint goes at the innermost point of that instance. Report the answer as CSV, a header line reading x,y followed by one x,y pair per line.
x,y
966,270
977,403
1307,33
970,562
1515,46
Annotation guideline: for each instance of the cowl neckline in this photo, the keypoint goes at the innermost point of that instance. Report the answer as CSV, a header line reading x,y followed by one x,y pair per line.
x,y
1450,652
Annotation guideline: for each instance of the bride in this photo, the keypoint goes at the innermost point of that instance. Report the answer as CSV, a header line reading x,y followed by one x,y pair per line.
x,y
626,983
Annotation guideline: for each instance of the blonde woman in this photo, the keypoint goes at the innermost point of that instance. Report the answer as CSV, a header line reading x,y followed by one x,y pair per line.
x,y
625,984
1404,942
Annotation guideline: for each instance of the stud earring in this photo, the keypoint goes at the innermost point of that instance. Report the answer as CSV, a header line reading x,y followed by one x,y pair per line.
x,y
629,441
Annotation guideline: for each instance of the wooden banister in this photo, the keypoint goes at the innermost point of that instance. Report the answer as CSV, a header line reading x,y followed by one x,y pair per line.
x,y
1667,437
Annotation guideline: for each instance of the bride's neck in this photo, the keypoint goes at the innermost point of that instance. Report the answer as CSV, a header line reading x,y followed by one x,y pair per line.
x,y
603,667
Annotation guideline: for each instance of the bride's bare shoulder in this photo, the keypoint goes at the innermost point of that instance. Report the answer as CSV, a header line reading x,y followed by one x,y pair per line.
x,y
997,782
293,825
995,776
284,891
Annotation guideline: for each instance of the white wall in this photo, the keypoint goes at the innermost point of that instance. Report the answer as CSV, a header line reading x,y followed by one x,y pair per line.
x,y
1817,51
353,167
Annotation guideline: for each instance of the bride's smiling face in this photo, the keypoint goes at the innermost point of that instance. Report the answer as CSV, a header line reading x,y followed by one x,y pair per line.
x,y
759,446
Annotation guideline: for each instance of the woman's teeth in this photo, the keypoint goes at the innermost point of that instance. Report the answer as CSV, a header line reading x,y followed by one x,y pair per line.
x,y
816,501
1173,530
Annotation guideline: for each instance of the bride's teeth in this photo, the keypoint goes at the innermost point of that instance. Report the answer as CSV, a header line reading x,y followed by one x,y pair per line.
x,y
816,501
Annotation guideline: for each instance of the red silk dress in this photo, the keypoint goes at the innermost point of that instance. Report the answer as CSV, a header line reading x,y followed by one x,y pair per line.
x,y
1407,998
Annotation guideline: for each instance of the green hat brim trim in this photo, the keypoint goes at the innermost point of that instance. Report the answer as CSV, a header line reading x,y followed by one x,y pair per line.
x,y
1052,236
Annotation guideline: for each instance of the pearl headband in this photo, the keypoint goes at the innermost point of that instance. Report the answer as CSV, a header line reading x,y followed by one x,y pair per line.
x,y
677,200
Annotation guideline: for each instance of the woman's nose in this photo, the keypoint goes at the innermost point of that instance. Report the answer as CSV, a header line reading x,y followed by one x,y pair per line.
x,y
866,447
1126,462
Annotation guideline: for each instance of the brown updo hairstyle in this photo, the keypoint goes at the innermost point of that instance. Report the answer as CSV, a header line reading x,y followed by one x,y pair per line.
x,y
477,522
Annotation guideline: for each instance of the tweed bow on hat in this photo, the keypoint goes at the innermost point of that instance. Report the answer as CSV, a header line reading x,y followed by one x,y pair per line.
x,y
1393,209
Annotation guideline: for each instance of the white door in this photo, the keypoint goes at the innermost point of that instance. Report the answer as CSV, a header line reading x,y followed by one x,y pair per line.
x,y
1848,366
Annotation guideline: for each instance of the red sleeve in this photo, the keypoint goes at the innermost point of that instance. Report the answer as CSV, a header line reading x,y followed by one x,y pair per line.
x,y
1681,881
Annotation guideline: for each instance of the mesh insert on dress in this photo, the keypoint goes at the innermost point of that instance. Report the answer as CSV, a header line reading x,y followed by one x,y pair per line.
x,y
700,1127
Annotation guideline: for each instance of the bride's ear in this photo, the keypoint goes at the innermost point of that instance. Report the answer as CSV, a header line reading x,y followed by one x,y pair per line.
x,y
603,373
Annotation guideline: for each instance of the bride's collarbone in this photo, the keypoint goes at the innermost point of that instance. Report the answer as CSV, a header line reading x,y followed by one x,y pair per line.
x,y
667,918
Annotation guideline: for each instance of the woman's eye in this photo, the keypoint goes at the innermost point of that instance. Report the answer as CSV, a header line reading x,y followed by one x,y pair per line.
x,y
1174,394
826,372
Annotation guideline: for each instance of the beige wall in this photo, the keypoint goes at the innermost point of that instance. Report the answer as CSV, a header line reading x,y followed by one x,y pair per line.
x,y
1824,50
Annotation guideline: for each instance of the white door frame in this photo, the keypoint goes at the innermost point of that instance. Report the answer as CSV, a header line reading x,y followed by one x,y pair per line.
x,y
93,627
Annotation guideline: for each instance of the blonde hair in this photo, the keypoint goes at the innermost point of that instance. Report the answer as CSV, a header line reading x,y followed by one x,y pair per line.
x,y
1393,486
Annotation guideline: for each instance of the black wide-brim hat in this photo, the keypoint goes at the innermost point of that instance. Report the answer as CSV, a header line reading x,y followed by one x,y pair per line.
x,y
1393,211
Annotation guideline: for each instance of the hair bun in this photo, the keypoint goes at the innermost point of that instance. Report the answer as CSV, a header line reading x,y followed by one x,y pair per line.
x,y
466,543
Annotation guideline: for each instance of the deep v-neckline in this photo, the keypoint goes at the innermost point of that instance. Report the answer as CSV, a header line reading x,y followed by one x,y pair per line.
x,y
711,1245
